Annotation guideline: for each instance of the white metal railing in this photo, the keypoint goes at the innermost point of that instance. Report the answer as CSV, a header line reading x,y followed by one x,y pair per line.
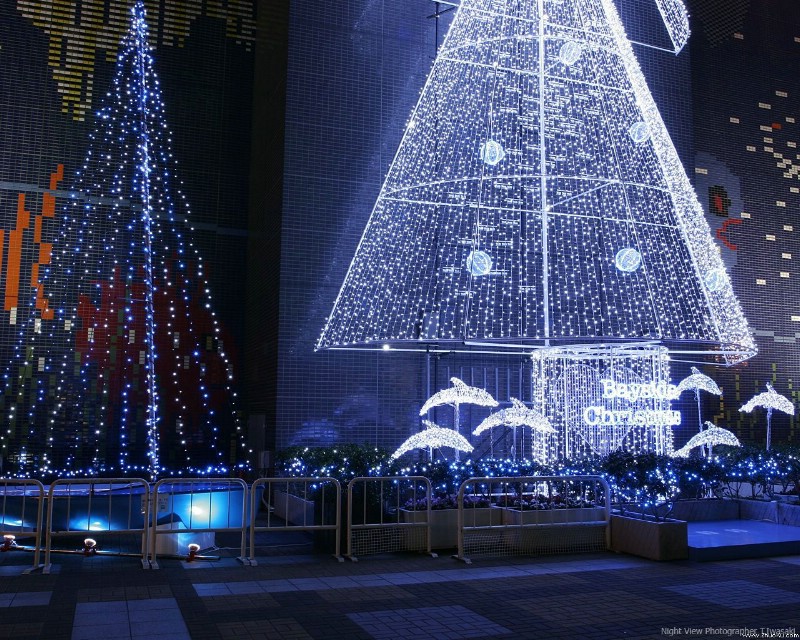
x,y
210,505
537,514
383,514
21,510
297,504
97,506
377,521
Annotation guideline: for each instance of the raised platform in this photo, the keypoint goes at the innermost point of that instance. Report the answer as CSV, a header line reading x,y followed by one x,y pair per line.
x,y
736,539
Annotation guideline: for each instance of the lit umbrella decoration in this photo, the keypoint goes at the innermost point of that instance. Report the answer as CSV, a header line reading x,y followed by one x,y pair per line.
x,y
769,400
517,415
698,382
432,437
460,393
711,436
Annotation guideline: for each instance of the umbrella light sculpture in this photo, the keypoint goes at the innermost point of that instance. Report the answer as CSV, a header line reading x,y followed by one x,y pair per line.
x,y
432,437
517,415
698,382
460,393
769,400
713,435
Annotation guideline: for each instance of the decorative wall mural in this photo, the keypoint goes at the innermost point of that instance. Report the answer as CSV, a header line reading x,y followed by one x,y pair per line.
x,y
79,30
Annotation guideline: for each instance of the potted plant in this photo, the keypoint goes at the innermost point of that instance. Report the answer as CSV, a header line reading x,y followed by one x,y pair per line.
x,y
556,509
478,512
646,486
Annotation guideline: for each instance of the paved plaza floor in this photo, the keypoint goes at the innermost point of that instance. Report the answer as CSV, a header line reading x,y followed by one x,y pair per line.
x,y
398,597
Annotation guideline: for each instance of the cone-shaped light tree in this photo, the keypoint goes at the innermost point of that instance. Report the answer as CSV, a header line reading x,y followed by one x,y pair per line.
x,y
120,364
536,198
536,201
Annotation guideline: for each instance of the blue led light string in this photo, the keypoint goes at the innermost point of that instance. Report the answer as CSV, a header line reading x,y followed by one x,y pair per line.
x,y
143,168
542,20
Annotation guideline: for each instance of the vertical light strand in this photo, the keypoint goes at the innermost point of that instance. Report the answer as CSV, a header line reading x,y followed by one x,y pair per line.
x,y
144,169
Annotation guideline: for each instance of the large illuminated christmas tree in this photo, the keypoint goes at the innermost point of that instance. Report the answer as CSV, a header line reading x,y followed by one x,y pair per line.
x,y
536,197
536,200
119,364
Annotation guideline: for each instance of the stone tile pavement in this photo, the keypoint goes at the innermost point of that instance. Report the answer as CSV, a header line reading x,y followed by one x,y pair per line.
x,y
398,597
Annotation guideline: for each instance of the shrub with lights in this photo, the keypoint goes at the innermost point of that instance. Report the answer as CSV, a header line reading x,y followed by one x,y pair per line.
x,y
342,462
647,483
752,471
644,484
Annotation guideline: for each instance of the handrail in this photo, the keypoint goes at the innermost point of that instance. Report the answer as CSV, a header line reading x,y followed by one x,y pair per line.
x,y
270,483
200,512
36,529
382,523
543,481
383,526
95,526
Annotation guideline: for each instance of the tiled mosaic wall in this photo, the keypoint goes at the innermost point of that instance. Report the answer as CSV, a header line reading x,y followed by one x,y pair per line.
x,y
355,71
355,68
746,98
56,64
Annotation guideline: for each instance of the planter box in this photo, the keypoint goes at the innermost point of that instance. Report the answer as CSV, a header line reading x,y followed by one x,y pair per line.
x,y
779,511
758,510
788,514
705,510
662,540
444,523
552,516
293,509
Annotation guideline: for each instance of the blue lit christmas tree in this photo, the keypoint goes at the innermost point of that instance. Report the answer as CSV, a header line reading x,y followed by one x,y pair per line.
x,y
119,364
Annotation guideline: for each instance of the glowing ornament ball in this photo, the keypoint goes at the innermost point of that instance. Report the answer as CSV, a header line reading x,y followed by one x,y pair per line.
x,y
639,132
715,280
479,263
628,260
492,152
570,52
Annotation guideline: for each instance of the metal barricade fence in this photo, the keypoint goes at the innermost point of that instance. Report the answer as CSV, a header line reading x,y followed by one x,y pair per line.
x,y
297,504
533,515
195,506
95,506
21,510
378,520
